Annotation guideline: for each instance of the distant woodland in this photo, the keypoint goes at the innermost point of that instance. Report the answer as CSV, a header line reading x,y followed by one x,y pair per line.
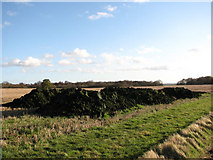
x,y
88,84
125,83
196,81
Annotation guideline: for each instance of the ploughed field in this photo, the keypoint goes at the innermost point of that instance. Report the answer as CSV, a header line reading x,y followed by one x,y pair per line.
x,y
112,123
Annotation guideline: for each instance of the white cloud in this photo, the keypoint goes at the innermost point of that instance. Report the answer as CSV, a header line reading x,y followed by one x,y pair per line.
x,y
48,55
109,58
22,2
193,50
152,68
5,23
14,62
85,61
112,59
192,63
99,15
47,63
145,50
76,53
10,13
121,49
54,70
111,8
23,70
156,68
64,62
75,61
90,70
28,62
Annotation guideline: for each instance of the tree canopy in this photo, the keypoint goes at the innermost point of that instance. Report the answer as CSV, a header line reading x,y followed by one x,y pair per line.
x,y
196,81
46,84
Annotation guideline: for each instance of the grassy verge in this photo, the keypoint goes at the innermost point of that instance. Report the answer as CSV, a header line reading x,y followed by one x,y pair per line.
x,y
128,138
191,142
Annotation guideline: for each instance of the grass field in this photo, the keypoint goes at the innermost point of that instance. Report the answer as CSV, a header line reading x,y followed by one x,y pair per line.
x,y
194,142
35,136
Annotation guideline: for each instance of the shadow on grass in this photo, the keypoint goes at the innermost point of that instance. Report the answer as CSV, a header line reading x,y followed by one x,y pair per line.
x,y
17,112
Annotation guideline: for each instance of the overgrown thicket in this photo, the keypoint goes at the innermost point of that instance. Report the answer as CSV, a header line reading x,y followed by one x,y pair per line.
x,y
36,98
69,102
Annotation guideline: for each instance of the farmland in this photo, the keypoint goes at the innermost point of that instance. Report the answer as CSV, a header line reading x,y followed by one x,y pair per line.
x,y
124,80
129,133
8,94
35,136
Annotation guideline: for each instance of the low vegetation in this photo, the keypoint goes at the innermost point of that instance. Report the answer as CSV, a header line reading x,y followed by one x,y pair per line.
x,y
191,142
78,102
38,136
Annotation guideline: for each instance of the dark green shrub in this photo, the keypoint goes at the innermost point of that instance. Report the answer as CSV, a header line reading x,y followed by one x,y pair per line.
x,y
71,102
74,102
180,93
36,98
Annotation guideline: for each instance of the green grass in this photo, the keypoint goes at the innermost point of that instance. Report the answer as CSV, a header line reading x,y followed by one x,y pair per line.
x,y
191,142
129,138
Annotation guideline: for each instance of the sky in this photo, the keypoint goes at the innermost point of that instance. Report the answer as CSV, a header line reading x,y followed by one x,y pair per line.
x,y
71,41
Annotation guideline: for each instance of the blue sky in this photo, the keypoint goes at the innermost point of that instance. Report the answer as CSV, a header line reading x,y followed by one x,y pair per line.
x,y
105,41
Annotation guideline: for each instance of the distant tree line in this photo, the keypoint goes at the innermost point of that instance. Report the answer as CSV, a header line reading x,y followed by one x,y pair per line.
x,y
88,84
196,81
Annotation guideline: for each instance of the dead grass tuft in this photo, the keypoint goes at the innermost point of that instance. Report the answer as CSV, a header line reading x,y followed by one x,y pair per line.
x,y
171,151
151,154
180,146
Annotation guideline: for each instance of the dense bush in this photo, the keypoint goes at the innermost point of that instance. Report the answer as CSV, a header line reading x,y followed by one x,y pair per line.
x,y
74,102
122,98
68,102
180,92
36,98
